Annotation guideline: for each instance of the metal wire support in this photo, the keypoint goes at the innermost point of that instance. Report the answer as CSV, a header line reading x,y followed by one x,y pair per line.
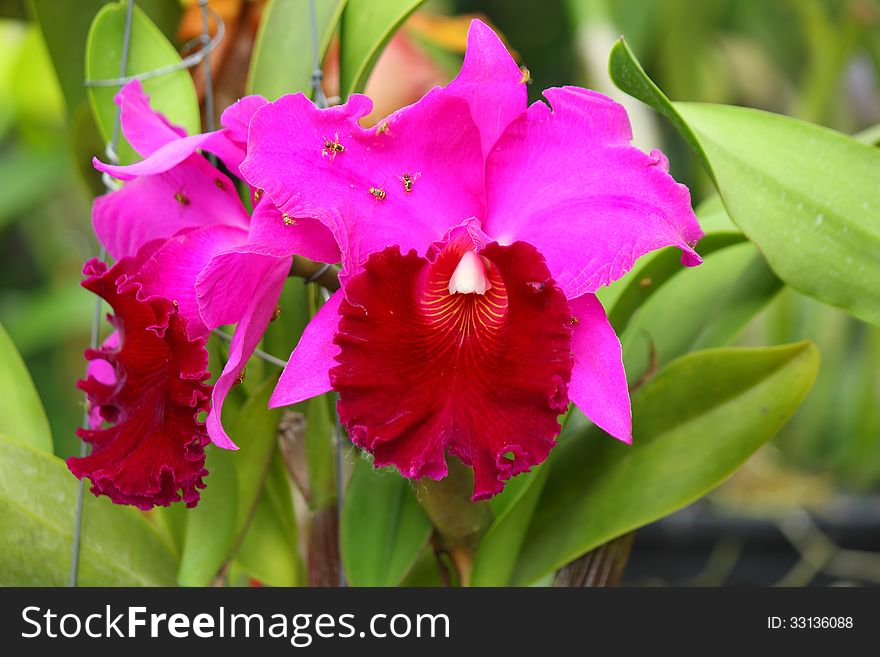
x,y
317,72
208,44
259,353
206,67
111,153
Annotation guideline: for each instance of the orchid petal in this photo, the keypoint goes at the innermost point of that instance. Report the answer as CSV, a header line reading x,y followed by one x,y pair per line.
x,y
491,83
191,194
271,274
598,382
307,372
422,371
405,182
171,271
568,181
144,128
284,235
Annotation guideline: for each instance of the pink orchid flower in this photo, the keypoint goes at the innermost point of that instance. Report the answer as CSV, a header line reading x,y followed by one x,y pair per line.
x,y
185,245
474,231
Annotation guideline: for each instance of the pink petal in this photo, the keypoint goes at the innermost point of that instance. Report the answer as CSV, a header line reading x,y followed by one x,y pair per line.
x,y
271,273
434,141
307,372
598,383
288,236
171,271
165,157
569,182
144,128
491,83
231,280
191,194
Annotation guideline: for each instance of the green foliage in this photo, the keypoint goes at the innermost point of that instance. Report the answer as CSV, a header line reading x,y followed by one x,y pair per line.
x,y
119,547
693,425
21,411
366,26
281,62
383,529
216,527
173,94
794,188
270,551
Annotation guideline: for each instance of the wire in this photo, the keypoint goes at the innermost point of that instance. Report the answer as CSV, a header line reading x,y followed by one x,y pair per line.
x,y
187,62
111,151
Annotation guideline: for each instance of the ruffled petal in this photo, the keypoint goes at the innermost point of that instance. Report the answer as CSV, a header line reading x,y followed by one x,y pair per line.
x,y
404,182
172,270
270,273
491,83
422,371
568,181
308,370
598,382
153,454
188,195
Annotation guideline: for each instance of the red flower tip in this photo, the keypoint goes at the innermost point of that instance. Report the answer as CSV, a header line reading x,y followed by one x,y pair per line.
x,y
456,353
154,452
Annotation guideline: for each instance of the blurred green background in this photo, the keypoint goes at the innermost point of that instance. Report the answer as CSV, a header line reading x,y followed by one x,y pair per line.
x,y
813,59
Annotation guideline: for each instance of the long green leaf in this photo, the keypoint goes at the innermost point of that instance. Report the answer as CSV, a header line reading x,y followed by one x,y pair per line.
x,y
383,527
21,411
119,546
693,425
699,308
366,26
629,293
282,60
801,192
216,526
270,551
65,26
210,527
173,94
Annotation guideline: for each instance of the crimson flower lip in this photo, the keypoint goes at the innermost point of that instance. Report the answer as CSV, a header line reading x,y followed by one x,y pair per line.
x,y
560,181
153,451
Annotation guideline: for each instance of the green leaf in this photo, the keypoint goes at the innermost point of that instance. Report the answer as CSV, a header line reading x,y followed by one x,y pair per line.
x,y
496,555
797,190
21,411
698,308
624,296
210,527
693,425
629,76
270,551
366,26
65,26
255,431
119,547
173,94
383,528
216,526
281,62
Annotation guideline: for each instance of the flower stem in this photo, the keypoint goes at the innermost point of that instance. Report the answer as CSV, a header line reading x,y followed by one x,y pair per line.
x,y
458,523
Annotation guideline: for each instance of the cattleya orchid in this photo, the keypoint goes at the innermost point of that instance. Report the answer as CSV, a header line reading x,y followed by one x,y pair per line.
x,y
474,231
181,236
